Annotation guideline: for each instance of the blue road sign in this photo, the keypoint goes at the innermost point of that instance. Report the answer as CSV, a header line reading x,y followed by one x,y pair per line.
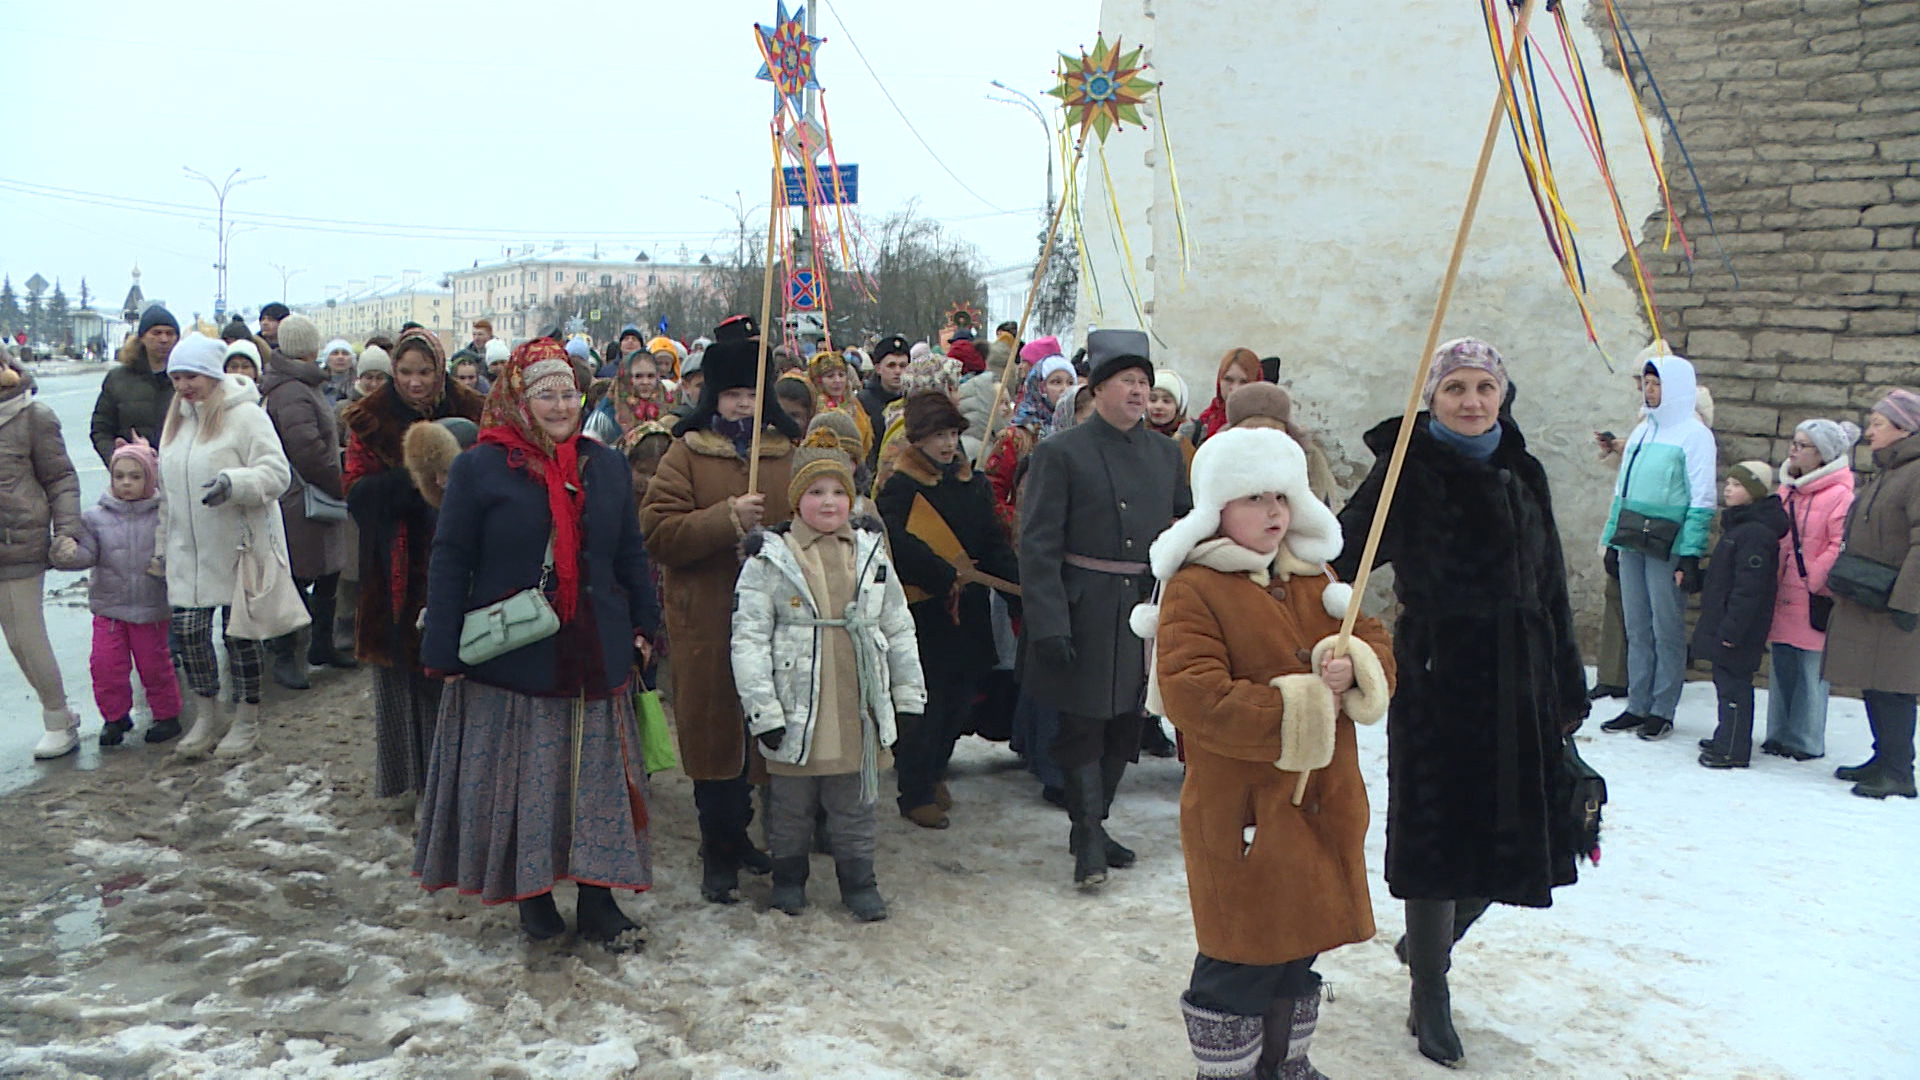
x,y
827,193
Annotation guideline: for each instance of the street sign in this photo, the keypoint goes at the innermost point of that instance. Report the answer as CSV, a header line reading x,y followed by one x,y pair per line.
x,y
803,291
827,193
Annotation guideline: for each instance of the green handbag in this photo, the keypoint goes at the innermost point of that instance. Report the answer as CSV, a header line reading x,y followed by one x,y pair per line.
x,y
656,742
513,623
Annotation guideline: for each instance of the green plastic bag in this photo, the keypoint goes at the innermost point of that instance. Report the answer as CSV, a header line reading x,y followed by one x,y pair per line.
x,y
656,742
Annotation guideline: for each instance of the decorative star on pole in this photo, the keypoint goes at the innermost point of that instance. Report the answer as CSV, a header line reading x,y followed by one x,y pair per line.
x,y
1102,90
787,55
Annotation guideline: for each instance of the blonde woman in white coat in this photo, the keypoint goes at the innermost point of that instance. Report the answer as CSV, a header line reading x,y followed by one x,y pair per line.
x,y
222,471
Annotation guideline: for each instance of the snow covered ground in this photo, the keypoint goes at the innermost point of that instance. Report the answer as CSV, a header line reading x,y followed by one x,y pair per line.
x,y
257,921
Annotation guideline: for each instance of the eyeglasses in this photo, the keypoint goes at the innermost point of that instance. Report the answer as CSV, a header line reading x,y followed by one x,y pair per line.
x,y
1801,444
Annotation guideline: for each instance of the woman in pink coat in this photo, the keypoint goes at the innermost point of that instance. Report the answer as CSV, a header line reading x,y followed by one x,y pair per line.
x,y
1816,488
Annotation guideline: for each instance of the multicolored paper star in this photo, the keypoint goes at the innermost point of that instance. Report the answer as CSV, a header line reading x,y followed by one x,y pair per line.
x,y
787,54
1104,89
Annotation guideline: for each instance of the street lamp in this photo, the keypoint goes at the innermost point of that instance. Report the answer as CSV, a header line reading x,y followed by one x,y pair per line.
x,y
1026,101
220,192
286,275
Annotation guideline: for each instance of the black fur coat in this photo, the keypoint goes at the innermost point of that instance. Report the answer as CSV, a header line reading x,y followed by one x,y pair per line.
x,y
1491,681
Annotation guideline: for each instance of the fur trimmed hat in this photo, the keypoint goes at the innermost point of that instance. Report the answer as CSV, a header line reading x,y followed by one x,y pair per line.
x,y
729,365
931,412
1233,464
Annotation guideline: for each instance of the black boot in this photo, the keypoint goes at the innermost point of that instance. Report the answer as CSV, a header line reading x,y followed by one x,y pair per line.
x,y
719,875
115,731
1111,770
1602,690
540,919
162,730
752,859
601,920
1086,805
1153,739
858,890
1289,1024
1465,914
1626,721
1854,774
1430,957
288,669
790,884
1883,783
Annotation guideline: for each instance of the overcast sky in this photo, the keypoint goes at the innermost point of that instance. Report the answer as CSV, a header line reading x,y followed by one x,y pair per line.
x,y
521,122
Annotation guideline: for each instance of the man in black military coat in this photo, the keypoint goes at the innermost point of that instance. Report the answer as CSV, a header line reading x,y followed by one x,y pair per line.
x,y
1097,495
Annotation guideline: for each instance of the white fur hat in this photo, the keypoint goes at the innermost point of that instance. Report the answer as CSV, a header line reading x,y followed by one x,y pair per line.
x,y
1247,461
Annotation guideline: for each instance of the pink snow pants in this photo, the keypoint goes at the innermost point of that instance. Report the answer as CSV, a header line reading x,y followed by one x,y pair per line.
x,y
119,648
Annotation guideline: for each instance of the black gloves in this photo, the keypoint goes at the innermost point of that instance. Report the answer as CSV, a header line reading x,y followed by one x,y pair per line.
x,y
1612,563
1690,573
218,490
772,739
1054,651
1905,620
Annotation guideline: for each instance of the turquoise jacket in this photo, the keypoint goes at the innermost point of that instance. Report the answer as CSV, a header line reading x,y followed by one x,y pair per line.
x,y
1669,466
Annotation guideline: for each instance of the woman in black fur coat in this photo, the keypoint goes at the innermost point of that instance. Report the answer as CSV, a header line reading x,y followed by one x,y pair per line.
x,y
1491,681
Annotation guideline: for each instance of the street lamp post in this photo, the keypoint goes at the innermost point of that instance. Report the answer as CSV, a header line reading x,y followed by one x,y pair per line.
x,y
286,275
1026,101
220,192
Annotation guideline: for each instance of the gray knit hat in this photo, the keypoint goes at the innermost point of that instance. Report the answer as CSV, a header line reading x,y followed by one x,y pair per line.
x,y
1831,439
299,338
374,358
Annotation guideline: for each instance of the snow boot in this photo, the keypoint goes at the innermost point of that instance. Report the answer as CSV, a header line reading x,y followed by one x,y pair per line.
x,y
1883,784
244,733
162,731
1602,690
1225,1046
790,884
601,921
752,859
1087,839
540,919
942,797
719,875
1854,774
929,816
62,734
115,731
208,725
1289,1031
1710,759
858,890
288,668
1626,721
1111,770
1430,925
1655,728
1465,914
321,653
1153,739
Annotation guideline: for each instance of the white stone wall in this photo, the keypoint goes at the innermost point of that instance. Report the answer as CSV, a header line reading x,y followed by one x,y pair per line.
x,y
1325,152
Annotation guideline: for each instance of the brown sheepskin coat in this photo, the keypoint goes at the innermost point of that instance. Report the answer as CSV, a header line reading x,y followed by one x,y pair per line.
x,y
691,534
1235,664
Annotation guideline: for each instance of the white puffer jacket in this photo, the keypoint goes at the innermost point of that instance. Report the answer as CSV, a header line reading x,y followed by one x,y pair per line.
x,y
776,647
203,542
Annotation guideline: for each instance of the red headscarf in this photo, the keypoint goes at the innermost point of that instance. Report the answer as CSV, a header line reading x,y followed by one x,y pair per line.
x,y
1215,417
508,422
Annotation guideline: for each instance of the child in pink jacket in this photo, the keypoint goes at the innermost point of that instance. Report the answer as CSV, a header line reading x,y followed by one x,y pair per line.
x,y
128,596
1816,488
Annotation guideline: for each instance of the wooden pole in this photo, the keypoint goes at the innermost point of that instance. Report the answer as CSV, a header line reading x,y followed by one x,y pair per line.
x,y
1399,458
766,316
1020,332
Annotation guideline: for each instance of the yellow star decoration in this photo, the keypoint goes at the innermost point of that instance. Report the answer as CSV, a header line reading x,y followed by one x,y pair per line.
x,y
1102,90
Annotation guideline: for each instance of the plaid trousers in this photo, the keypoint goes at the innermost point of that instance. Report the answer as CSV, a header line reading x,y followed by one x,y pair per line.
x,y
192,632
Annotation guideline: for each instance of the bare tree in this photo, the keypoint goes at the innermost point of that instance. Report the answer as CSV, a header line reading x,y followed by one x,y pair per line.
x,y
917,273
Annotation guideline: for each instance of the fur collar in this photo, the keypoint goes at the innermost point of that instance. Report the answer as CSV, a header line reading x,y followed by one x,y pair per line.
x,y
922,469
752,543
1228,557
1816,479
15,405
710,443
380,420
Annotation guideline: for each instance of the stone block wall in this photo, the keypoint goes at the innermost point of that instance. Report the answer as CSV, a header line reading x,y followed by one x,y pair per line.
x,y
1803,120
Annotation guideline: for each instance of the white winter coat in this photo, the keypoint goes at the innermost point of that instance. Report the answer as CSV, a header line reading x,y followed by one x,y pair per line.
x,y
776,651
203,542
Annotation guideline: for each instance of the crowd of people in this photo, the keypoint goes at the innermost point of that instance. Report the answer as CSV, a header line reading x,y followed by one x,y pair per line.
x,y
839,563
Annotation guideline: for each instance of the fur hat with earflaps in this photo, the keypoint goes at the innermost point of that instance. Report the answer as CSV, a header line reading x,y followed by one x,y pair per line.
x,y
1233,464
730,364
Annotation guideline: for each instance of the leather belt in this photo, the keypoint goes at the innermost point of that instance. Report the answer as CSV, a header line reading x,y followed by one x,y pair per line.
x,y
1106,566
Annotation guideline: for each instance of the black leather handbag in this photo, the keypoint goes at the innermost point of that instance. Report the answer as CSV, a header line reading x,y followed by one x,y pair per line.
x,y
1863,581
1585,792
1650,536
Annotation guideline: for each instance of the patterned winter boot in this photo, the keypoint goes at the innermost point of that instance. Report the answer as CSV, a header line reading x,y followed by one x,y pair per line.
x,y
1289,1030
1227,1047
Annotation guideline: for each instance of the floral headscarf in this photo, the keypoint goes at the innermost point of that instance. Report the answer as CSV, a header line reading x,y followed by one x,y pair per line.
x,y
1064,409
822,363
630,410
508,422
1034,409
419,338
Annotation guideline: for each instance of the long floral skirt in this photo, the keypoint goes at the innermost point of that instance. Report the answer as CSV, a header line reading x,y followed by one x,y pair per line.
x,y
503,818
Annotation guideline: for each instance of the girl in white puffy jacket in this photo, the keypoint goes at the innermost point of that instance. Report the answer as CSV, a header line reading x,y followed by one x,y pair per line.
x,y
825,660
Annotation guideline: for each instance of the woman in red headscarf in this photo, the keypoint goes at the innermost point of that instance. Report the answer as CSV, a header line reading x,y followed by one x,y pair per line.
x,y
538,774
1238,368
396,535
